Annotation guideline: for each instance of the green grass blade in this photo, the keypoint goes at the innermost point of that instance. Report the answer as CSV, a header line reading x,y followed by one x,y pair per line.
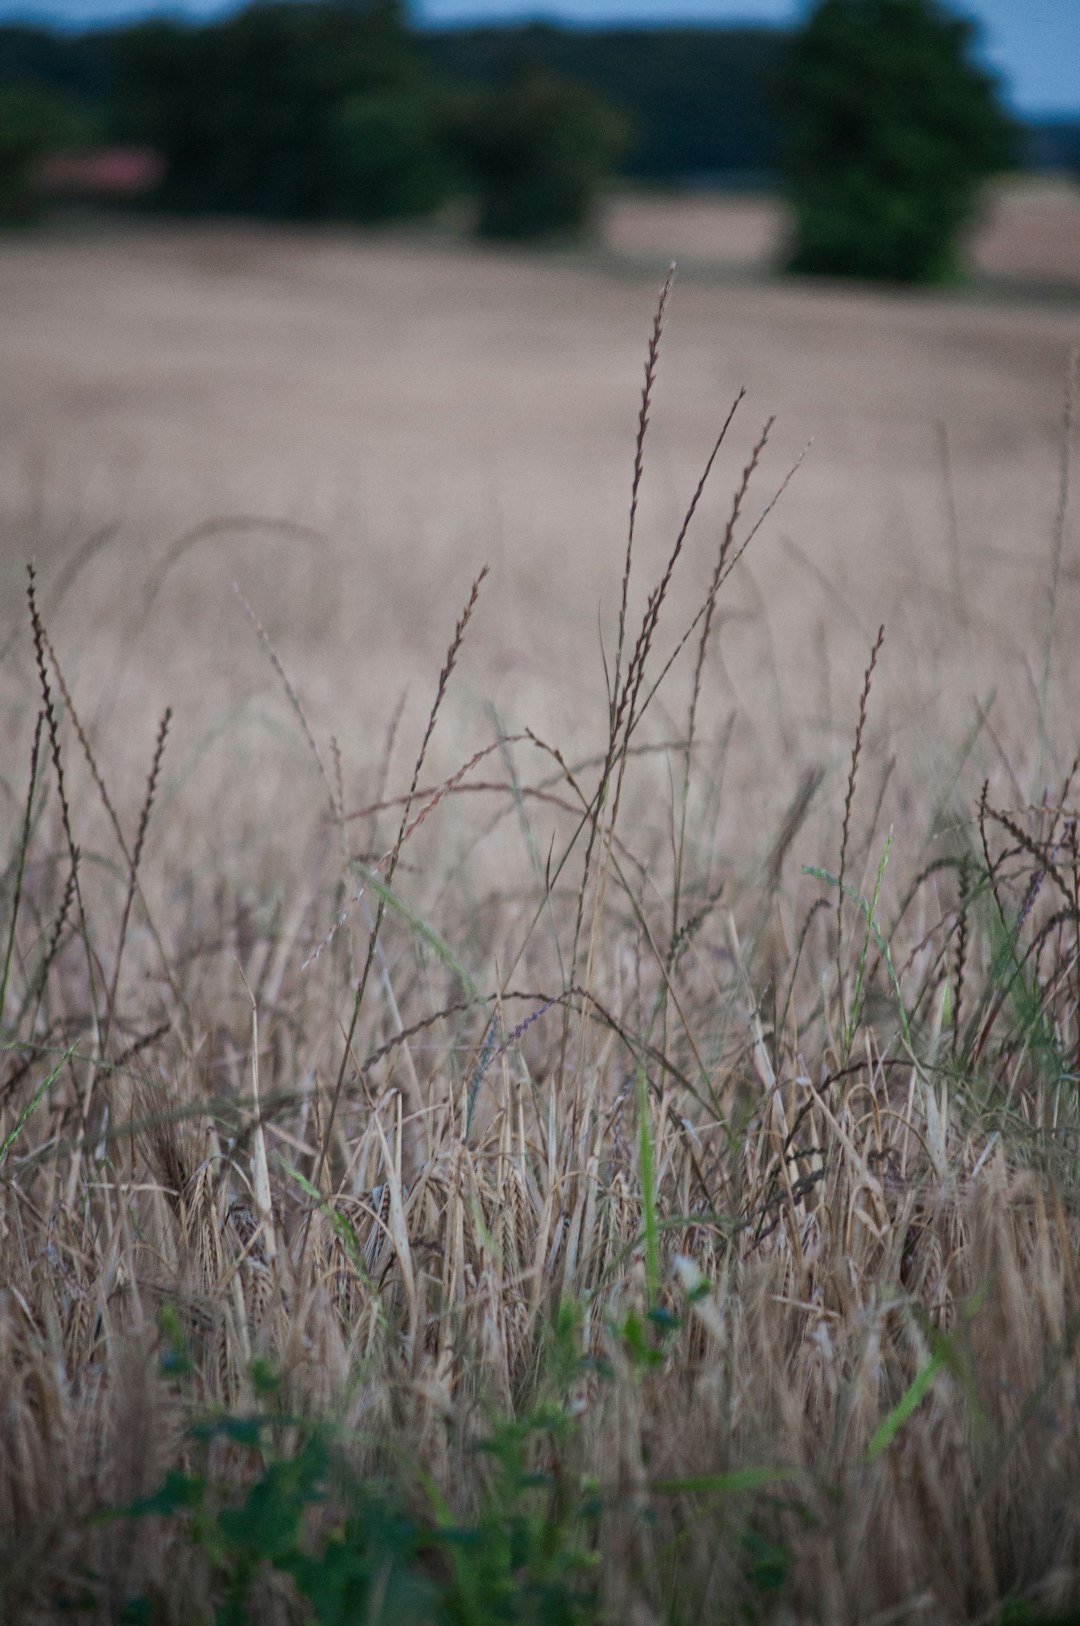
x,y
905,1407
24,1116
421,929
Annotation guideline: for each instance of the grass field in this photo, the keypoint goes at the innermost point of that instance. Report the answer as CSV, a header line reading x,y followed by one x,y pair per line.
x,y
1025,236
495,1126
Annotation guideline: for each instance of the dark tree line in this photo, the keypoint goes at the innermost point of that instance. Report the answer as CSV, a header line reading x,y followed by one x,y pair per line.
x,y
873,116
289,111
692,101
307,112
699,102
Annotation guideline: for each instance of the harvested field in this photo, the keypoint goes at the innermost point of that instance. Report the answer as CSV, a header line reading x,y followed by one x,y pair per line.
x,y
428,411
675,1096
1028,232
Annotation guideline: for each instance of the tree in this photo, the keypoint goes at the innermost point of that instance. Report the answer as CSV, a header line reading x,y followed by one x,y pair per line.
x,y
33,123
536,152
699,101
288,111
895,129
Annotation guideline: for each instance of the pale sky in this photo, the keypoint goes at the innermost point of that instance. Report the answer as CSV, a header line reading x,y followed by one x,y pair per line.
x,y
1034,44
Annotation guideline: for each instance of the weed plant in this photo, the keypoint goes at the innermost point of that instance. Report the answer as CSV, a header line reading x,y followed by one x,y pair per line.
x,y
611,1251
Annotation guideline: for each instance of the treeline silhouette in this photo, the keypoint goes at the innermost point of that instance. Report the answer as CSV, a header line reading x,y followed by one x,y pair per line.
x,y
695,101
339,110
701,102
294,110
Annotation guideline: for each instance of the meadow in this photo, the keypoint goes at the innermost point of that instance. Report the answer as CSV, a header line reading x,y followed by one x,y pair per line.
x,y
541,940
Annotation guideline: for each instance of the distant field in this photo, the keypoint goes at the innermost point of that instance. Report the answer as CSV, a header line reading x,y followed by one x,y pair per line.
x,y
703,1144
1029,232
425,411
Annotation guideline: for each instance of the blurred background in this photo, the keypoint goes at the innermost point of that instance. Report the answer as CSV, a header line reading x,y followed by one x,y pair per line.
x,y
732,132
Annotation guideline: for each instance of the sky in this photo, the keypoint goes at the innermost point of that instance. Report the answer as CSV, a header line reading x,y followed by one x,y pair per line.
x,y
1033,44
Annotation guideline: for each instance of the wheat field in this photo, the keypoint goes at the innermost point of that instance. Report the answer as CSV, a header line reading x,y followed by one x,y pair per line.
x,y
540,1048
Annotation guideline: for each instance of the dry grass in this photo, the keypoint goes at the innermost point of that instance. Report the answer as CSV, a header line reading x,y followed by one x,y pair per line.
x,y
391,1067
